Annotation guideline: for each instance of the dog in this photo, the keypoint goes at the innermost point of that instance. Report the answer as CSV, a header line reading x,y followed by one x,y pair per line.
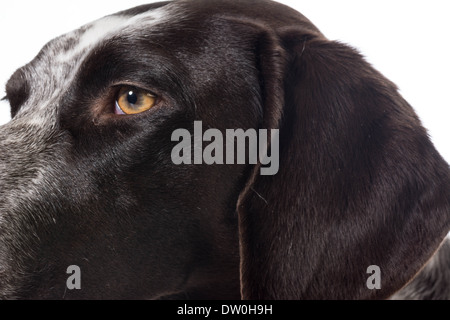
x,y
93,207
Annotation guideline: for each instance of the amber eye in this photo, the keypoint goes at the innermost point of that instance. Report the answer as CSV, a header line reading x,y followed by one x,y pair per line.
x,y
132,100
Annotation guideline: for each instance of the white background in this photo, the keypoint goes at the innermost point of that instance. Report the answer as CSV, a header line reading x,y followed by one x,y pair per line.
x,y
408,41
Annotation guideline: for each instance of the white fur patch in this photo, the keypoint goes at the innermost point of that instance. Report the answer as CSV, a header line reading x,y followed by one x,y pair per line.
x,y
101,29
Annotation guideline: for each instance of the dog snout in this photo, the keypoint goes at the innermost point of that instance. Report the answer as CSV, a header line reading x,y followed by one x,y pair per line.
x,y
27,156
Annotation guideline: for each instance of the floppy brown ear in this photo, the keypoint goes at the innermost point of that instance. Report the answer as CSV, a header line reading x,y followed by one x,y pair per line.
x,y
359,182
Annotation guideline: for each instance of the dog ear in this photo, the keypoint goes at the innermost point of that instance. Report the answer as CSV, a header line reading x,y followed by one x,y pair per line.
x,y
361,200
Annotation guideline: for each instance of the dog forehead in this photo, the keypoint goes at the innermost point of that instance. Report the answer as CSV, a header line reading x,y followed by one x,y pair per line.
x,y
75,45
94,33
54,69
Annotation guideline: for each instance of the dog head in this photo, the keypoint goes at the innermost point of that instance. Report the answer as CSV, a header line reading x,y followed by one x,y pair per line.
x,y
87,176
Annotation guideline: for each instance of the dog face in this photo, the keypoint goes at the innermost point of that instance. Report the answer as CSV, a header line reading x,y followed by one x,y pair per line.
x,y
86,186
87,177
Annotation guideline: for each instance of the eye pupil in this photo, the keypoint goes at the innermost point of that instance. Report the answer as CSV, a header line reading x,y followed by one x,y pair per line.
x,y
132,98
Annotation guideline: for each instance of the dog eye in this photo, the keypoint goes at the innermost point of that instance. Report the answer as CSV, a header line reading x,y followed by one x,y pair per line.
x,y
132,100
